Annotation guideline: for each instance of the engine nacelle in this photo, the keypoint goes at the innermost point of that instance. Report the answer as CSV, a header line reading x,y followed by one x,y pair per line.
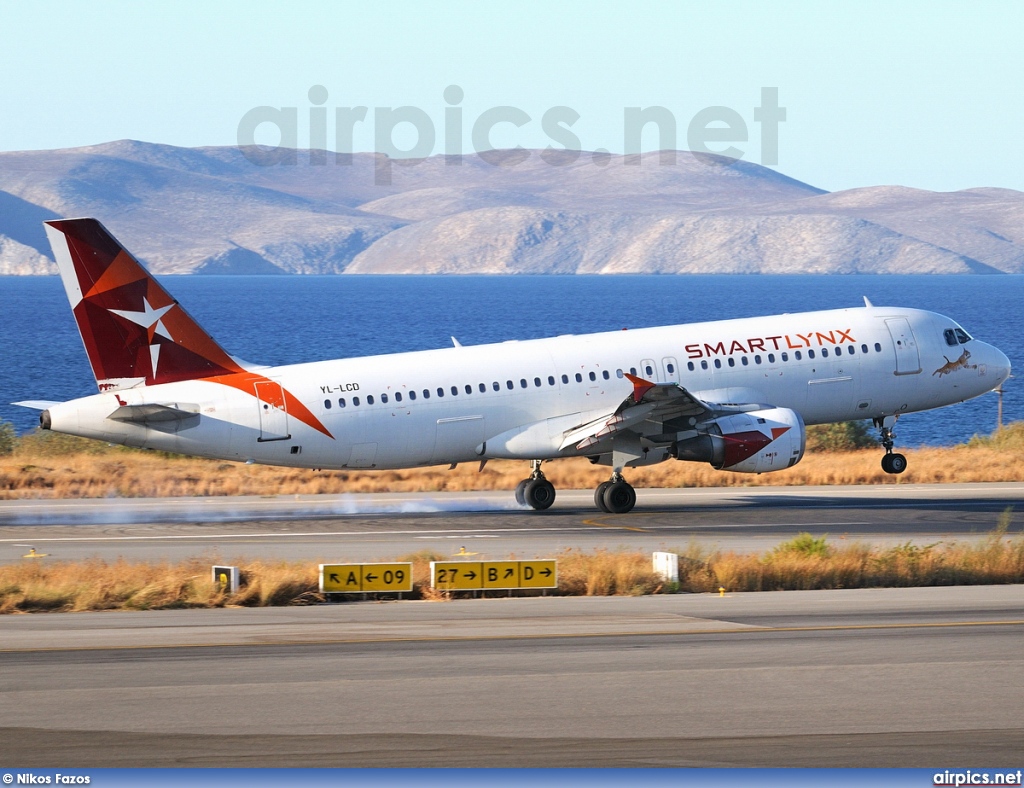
x,y
754,442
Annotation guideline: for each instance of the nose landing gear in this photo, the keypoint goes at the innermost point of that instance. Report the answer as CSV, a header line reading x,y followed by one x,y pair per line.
x,y
891,462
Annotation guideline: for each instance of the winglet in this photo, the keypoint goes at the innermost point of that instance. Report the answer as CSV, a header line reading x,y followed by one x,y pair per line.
x,y
640,387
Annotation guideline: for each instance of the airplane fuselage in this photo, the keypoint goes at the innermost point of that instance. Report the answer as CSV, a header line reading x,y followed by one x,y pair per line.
x,y
471,403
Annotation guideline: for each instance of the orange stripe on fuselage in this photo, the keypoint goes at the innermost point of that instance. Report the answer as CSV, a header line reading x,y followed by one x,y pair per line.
x,y
246,383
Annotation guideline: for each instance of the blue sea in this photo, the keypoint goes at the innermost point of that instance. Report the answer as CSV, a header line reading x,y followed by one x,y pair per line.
x,y
289,319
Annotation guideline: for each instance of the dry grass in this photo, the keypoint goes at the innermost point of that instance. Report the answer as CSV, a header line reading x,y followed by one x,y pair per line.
x,y
63,467
801,564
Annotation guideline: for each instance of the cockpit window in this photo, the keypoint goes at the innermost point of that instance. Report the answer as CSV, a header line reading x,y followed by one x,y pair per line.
x,y
962,336
950,336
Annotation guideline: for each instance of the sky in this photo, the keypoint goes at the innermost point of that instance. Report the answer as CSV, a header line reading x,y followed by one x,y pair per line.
x,y
921,94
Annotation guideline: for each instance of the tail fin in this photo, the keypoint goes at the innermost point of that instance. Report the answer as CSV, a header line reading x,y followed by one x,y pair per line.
x,y
134,332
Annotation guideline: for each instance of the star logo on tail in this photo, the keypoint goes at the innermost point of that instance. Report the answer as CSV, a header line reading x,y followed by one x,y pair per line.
x,y
152,320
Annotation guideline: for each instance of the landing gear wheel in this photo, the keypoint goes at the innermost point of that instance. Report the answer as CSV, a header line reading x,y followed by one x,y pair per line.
x,y
599,497
539,493
521,492
619,497
894,463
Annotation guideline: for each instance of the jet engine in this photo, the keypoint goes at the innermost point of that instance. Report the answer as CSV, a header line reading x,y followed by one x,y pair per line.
x,y
757,441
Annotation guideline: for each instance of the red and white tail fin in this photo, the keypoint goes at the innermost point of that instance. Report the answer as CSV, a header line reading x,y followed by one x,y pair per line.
x,y
134,332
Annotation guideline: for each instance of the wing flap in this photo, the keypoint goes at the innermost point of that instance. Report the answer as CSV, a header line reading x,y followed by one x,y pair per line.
x,y
649,401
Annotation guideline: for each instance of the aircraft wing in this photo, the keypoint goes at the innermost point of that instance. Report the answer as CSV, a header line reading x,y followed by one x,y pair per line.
x,y
649,401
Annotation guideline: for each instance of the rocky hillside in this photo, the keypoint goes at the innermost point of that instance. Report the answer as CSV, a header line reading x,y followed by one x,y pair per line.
x,y
212,210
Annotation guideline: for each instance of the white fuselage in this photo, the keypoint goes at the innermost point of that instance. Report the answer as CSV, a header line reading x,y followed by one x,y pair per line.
x,y
469,403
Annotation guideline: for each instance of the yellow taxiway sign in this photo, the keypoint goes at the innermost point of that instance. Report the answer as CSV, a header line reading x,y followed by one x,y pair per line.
x,y
362,578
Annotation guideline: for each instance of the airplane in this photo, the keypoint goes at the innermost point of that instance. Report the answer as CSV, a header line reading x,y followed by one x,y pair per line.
x,y
733,393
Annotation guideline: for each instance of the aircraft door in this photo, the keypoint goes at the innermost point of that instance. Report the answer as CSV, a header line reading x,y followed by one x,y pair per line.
x,y
669,370
908,359
273,411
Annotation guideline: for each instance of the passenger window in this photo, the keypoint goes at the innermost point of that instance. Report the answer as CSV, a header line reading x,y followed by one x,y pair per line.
x,y
757,359
508,385
593,376
718,363
632,371
671,369
689,365
565,378
863,348
440,391
398,396
618,373
341,402
327,404
384,398
355,402
455,391
426,393
824,352
551,380
878,348
369,399
785,356
496,386
771,358
412,395
744,361
469,388
732,361
810,354
522,383
649,370
703,365
483,388
797,355
605,374
579,378
536,382
850,350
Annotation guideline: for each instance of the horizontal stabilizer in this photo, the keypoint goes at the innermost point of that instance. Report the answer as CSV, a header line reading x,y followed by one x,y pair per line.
x,y
153,413
36,404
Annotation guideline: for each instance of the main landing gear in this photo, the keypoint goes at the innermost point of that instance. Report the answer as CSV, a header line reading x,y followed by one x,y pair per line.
x,y
535,492
891,463
615,496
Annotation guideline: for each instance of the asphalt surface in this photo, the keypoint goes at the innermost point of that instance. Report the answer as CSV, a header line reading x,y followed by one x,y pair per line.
x,y
895,677
376,527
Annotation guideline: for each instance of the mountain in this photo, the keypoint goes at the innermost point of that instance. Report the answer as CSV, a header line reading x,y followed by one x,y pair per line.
x,y
227,210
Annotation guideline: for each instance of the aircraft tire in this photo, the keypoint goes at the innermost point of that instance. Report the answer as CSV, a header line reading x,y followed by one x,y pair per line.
x,y
897,463
599,497
619,497
521,492
539,494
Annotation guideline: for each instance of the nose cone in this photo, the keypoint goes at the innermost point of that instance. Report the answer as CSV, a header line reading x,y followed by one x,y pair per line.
x,y
997,367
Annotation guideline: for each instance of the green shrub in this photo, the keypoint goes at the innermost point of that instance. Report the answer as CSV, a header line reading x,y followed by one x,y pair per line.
x,y
845,436
8,438
804,544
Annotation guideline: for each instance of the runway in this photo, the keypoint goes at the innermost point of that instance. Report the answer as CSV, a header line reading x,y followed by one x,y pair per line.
x,y
894,677
383,526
